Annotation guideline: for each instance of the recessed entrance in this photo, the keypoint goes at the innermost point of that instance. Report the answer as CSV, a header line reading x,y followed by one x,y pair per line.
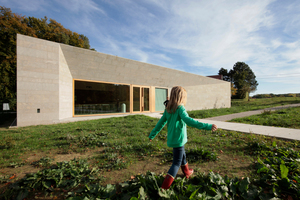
x,y
141,99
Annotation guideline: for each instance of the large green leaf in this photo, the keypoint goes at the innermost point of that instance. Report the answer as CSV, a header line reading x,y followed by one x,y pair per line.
x,y
142,194
193,194
47,184
284,171
244,185
165,193
233,186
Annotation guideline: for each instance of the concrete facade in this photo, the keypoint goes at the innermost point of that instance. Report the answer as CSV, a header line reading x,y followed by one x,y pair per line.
x,y
46,70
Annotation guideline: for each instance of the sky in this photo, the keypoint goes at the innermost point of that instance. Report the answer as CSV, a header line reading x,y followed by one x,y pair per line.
x,y
196,36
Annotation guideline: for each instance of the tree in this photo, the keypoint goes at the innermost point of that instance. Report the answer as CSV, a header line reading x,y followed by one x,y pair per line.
x,y
242,77
10,25
233,90
227,76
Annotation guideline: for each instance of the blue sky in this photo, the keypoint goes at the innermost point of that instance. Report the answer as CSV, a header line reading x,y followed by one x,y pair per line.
x,y
190,35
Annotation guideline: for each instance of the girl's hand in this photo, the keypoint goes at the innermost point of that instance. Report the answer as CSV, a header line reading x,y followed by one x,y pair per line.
x,y
214,127
150,140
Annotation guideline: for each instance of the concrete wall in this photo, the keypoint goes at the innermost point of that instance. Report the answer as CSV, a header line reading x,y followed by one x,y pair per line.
x,y
45,73
65,88
91,65
208,96
37,81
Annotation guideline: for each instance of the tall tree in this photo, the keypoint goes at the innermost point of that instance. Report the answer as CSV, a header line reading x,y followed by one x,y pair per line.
x,y
10,25
242,78
227,76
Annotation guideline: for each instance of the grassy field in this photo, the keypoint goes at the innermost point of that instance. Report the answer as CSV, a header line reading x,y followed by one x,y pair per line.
x,y
118,150
287,118
238,106
113,159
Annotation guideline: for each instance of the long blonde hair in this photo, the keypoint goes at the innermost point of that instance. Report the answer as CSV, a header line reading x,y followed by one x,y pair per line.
x,y
178,96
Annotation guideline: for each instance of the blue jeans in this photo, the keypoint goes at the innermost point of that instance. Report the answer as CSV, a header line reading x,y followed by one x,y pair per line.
x,y
179,158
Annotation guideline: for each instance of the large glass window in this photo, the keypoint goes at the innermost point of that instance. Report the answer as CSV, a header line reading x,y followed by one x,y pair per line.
x,y
161,95
100,98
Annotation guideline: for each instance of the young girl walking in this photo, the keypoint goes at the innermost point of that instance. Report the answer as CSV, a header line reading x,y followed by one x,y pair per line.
x,y
177,118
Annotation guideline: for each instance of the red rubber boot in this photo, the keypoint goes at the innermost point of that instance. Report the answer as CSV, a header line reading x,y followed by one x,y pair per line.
x,y
186,171
167,182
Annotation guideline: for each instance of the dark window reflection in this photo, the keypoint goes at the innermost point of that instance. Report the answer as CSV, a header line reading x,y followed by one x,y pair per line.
x,y
136,99
99,98
146,99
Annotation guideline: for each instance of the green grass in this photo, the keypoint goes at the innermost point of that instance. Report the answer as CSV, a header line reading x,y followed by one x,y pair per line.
x,y
287,118
116,148
238,106
111,151
73,137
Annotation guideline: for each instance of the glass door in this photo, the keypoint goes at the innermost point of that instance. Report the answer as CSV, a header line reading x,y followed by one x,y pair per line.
x,y
136,99
145,99
141,99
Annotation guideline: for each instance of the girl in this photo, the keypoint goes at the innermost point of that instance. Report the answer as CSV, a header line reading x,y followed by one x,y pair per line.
x,y
177,118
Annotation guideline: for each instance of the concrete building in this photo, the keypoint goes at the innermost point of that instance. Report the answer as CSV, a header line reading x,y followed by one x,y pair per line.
x,y
57,81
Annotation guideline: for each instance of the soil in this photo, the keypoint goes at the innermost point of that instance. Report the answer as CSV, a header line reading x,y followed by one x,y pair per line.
x,y
226,165
21,171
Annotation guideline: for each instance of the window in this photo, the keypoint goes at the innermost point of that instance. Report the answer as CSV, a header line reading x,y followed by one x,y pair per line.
x,y
101,98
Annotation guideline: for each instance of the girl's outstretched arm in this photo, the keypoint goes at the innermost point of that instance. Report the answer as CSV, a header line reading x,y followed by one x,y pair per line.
x,y
160,124
191,122
214,127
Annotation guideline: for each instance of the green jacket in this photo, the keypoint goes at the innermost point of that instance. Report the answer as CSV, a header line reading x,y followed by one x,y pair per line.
x,y
177,135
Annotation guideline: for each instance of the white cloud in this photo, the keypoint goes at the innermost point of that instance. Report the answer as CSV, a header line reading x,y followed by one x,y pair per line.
x,y
206,33
215,36
276,43
80,7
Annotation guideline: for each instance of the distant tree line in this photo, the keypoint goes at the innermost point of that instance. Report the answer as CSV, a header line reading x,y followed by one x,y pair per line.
x,y
242,78
258,96
10,25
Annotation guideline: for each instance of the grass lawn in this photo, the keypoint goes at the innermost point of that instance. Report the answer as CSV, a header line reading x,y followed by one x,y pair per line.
x,y
238,106
287,118
113,159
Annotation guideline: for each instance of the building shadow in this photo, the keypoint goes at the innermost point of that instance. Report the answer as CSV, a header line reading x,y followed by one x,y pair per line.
x,y
7,119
